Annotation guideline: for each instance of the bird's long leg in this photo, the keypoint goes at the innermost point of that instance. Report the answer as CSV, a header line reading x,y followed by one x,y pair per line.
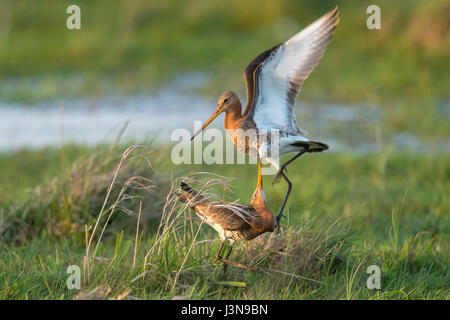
x,y
219,258
280,214
220,249
282,174
225,265
283,166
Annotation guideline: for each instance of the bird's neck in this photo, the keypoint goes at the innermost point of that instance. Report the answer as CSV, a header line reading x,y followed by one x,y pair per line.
x,y
233,117
265,215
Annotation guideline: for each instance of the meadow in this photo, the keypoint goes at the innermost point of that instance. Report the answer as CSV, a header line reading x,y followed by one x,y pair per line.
x,y
346,212
112,211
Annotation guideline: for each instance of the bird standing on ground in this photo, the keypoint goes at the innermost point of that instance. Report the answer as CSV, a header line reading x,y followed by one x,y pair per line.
x,y
233,221
273,80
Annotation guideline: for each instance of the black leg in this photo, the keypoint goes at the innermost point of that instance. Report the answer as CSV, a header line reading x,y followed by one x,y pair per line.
x,y
283,166
280,214
225,265
282,174
220,250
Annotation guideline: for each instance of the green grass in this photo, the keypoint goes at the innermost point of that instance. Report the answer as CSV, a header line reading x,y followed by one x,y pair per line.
x,y
346,211
386,209
138,45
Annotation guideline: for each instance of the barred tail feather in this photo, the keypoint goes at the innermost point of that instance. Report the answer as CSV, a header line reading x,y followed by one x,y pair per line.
x,y
313,146
189,195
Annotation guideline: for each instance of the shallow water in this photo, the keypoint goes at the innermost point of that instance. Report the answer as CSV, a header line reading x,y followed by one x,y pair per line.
x,y
345,128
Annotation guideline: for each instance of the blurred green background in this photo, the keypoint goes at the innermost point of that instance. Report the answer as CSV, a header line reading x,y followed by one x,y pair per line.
x,y
137,45
386,197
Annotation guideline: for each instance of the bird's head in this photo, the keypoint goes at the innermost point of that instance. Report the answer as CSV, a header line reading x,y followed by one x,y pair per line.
x,y
227,101
258,199
259,203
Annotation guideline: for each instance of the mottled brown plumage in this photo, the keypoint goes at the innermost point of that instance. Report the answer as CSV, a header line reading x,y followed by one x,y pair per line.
x,y
233,221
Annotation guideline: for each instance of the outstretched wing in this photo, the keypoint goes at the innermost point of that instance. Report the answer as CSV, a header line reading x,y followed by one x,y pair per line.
x,y
251,75
275,77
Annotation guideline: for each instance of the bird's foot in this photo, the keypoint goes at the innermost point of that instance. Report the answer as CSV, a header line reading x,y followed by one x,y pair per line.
x,y
278,217
279,175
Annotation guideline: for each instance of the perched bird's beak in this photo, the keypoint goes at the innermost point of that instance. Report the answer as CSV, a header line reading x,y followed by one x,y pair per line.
x,y
259,185
258,200
216,113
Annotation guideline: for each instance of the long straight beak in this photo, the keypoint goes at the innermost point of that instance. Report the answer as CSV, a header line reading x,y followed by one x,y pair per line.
x,y
215,115
259,185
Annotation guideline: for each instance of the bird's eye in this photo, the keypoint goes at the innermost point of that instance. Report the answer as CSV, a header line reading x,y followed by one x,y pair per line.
x,y
225,100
